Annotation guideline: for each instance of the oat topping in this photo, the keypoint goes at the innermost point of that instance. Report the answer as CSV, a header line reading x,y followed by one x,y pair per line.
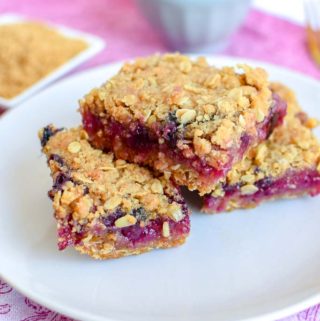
x,y
165,229
248,189
74,147
126,220
93,184
292,146
215,105
28,52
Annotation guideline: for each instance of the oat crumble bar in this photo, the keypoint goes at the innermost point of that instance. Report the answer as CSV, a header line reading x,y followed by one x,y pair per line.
x,y
284,166
29,51
184,118
109,208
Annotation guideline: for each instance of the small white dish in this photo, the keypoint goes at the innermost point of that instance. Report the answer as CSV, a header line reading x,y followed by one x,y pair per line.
x,y
259,264
95,45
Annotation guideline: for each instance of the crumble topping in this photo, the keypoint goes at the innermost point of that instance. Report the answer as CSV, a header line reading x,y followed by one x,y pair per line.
x,y
89,184
165,229
29,51
125,221
213,107
292,146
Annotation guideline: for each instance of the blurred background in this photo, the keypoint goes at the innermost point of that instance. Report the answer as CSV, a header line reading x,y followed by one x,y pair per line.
x,y
268,30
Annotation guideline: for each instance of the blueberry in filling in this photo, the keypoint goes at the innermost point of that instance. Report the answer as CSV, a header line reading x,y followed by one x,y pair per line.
x,y
57,158
47,133
109,220
60,180
140,214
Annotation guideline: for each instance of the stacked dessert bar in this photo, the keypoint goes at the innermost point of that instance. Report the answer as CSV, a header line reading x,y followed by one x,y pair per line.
x,y
285,165
106,207
184,118
165,121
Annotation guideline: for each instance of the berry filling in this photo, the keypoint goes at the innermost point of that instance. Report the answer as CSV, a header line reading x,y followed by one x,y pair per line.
x,y
47,133
136,142
275,117
290,185
144,231
134,236
141,144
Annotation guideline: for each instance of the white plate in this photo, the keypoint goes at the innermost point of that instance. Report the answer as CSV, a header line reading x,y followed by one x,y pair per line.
x,y
95,45
262,263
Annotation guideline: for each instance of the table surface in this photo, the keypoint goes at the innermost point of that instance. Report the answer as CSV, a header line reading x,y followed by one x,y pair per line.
x,y
271,34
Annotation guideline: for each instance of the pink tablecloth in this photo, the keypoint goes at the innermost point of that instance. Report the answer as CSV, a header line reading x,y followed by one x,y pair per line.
x,y
127,34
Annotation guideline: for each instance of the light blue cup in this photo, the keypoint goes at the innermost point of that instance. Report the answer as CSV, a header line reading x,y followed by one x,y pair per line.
x,y
195,25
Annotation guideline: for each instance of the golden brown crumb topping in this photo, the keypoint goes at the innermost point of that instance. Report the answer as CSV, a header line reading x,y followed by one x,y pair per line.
x,y
110,184
28,52
214,106
291,146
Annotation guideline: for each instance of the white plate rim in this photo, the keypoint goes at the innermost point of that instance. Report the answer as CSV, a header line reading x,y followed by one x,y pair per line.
x,y
74,313
95,45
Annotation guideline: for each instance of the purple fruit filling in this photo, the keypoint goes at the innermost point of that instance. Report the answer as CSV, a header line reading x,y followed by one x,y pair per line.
x,y
60,180
136,235
141,144
290,185
47,133
145,231
57,158
152,231
132,236
65,237
275,118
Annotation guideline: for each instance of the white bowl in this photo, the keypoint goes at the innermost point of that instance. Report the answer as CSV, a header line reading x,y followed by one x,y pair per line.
x,y
95,45
195,25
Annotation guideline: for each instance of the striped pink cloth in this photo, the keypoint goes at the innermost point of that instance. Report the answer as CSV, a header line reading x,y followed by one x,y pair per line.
x,y
263,37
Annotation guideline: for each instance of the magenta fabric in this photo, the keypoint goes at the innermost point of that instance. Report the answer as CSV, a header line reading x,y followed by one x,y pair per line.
x,y
263,37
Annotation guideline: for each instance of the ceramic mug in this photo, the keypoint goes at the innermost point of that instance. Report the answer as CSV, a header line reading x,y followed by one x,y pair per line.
x,y
195,25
